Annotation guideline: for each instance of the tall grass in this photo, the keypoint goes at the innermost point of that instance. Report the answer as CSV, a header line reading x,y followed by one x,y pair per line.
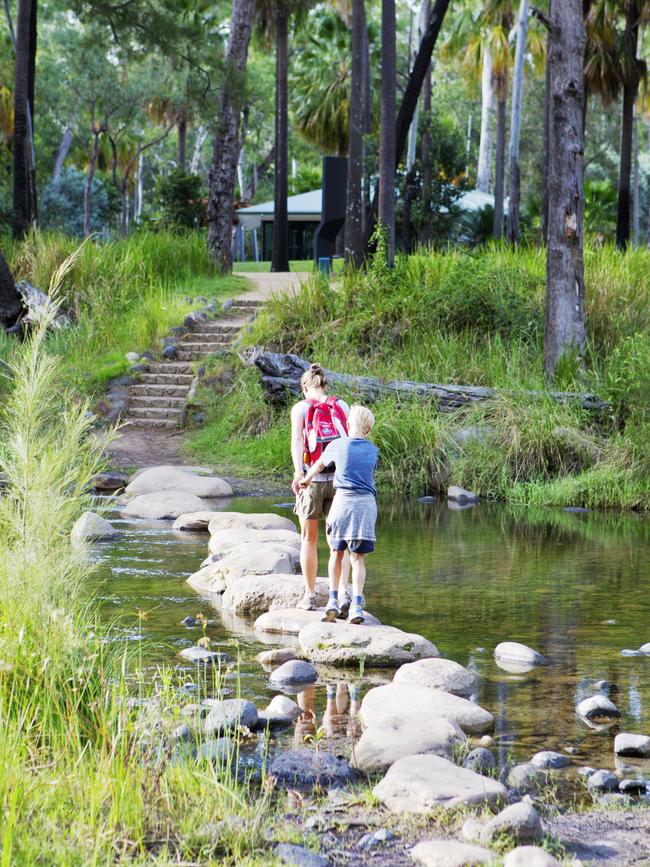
x,y
86,779
472,318
122,296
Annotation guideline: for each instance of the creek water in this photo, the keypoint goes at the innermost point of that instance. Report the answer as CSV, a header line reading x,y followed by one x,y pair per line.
x,y
575,586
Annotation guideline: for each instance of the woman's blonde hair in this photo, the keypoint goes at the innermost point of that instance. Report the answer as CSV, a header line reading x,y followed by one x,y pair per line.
x,y
314,377
361,418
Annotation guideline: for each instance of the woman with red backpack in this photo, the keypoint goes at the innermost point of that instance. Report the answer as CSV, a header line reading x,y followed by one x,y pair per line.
x,y
316,421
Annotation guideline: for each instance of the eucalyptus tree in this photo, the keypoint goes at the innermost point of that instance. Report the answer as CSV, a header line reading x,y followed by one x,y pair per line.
x,y
24,165
565,317
514,176
354,193
387,145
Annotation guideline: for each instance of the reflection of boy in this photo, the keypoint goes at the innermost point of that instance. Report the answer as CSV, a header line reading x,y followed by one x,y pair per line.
x,y
352,517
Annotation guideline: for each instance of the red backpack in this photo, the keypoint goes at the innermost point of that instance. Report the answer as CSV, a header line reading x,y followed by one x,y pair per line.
x,y
320,427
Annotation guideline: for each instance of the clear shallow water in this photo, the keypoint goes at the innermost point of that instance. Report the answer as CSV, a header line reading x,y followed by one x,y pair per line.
x,y
574,586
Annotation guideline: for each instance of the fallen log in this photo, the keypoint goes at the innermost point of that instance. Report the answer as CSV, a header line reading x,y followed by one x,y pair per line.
x,y
281,381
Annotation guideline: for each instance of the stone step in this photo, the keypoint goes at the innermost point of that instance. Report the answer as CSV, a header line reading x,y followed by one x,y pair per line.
x,y
216,328
176,367
144,400
195,356
202,345
156,412
247,303
167,378
136,421
156,389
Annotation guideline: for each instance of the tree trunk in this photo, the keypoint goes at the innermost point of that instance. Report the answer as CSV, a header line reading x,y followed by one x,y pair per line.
x,y
199,141
426,232
387,157
367,121
487,107
636,185
64,147
182,140
500,163
23,215
630,89
412,93
225,147
353,202
280,250
515,125
546,145
89,179
10,303
565,317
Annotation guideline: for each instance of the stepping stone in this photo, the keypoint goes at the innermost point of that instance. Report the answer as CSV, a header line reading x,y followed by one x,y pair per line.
x,y
290,621
225,541
158,479
276,656
109,482
385,742
202,656
530,856
444,674
597,707
249,521
91,527
626,744
253,595
420,783
343,643
519,822
194,521
550,760
281,711
294,672
164,505
215,577
450,853
515,657
308,769
226,714
399,701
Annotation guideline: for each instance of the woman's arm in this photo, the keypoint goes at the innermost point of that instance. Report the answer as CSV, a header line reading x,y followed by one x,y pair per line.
x,y
297,445
317,468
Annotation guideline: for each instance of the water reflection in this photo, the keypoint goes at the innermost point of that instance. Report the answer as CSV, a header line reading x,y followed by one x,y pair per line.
x,y
572,585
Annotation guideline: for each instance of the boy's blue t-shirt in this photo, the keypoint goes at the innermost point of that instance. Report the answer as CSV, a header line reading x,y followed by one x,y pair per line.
x,y
355,461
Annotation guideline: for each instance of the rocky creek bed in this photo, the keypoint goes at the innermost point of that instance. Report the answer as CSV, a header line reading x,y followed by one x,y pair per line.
x,y
522,714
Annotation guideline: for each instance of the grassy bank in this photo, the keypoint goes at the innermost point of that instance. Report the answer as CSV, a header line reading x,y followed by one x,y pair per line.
x,y
89,778
473,318
122,296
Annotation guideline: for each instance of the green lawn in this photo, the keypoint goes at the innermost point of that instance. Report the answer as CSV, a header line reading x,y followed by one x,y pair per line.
x,y
294,265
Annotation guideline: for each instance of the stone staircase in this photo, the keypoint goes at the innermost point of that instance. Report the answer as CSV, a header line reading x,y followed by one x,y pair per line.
x,y
160,397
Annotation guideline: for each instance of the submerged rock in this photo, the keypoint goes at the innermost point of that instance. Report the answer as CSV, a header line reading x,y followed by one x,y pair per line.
x,y
202,656
450,853
420,783
298,856
548,759
597,707
386,741
401,701
626,744
348,644
308,769
276,656
91,527
168,478
519,822
519,654
460,495
444,674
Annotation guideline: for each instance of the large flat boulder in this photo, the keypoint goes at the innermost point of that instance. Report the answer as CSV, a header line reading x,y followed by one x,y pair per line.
x,y
215,577
399,701
224,541
195,521
377,646
444,674
383,744
166,505
91,527
253,595
450,853
249,521
420,783
291,621
167,478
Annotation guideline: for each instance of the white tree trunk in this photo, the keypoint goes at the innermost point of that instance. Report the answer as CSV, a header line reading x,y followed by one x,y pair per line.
x,y
515,123
413,129
487,106
199,141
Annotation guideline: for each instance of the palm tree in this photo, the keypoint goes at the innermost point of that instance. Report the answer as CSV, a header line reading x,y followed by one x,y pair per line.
x,y
354,199
226,144
387,126
499,15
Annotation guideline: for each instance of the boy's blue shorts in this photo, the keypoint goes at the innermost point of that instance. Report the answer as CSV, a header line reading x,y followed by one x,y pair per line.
x,y
355,546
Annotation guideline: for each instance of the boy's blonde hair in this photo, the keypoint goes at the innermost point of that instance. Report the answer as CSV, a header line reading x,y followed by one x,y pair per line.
x,y
361,418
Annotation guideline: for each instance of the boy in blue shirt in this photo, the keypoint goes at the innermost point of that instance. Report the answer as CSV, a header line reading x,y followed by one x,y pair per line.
x,y
352,516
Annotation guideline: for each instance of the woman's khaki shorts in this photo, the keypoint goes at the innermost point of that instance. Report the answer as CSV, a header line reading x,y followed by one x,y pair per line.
x,y
313,503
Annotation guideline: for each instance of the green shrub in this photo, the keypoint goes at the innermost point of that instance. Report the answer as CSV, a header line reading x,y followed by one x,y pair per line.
x,y
180,196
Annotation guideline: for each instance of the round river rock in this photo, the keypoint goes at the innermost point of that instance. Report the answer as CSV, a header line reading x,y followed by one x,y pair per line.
x,y
348,644
444,674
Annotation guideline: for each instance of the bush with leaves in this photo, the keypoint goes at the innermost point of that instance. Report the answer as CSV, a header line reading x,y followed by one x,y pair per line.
x,y
62,204
180,197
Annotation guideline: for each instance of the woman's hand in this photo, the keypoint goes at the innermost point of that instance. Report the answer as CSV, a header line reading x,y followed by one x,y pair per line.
x,y
304,483
296,484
